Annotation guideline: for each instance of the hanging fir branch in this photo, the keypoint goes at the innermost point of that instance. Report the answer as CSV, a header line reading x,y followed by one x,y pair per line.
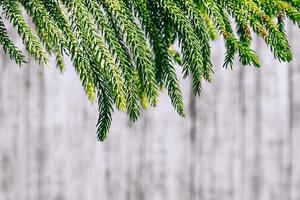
x,y
122,49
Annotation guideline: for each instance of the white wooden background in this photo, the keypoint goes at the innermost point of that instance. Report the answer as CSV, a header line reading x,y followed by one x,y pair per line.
x,y
239,141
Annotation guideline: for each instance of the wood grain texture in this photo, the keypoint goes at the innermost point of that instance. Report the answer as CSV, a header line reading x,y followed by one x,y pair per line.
x,y
239,141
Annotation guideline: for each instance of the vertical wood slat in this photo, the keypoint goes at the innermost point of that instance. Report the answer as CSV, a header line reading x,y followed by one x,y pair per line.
x,y
240,139
294,136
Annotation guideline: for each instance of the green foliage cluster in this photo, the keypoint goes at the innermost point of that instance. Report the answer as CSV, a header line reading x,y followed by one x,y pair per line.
x,y
122,49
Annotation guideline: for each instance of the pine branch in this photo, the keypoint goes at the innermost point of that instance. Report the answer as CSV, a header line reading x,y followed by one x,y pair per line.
x,y
13,12
122,50
9,47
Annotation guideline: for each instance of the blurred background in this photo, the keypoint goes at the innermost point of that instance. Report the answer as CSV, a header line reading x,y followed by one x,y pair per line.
x,y
239,141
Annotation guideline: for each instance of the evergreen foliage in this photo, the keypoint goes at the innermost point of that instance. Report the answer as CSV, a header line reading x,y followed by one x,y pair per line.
x,y
122,49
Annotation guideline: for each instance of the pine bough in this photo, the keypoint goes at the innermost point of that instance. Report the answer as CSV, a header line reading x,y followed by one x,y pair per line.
x,y
121,49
